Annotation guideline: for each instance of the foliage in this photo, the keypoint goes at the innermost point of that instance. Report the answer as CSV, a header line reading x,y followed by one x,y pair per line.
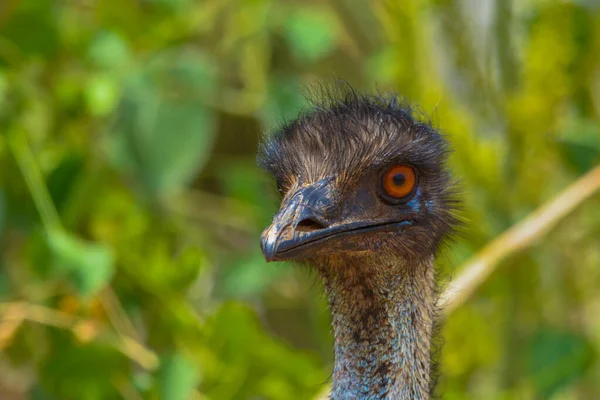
x,y
130,204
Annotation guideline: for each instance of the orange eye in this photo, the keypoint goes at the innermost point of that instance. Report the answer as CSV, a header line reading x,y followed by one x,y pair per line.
x,y
399,181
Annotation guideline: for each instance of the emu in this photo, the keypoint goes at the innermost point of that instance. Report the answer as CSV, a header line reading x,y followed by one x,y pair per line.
x,y
366,202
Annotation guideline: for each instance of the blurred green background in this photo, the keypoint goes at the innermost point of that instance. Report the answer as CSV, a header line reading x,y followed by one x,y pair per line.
x,y
130,203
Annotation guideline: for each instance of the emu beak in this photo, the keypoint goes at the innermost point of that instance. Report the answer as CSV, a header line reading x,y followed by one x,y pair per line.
x,y
301,219
307,226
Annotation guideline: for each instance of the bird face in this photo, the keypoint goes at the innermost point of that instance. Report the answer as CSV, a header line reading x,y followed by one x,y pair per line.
x,y
358,175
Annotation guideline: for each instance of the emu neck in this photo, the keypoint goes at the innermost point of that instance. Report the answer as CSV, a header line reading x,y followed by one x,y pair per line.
x,y
382,321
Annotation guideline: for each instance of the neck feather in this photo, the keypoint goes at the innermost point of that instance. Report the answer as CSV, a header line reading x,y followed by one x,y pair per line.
x,y
382,321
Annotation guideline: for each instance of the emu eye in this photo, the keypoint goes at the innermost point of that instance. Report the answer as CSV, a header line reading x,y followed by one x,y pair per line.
x,y
399,181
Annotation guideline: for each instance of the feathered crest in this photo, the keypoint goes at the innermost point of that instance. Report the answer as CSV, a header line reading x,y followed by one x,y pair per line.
x,y
345,132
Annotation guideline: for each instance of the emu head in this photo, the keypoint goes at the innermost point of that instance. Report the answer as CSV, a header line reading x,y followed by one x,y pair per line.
x,y
357,174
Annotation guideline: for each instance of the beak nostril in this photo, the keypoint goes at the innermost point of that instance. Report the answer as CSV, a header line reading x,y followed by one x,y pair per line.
x,y
309,225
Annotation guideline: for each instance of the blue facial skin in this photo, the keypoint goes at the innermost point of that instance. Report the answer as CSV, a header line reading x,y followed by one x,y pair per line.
x,y
415,203
429,205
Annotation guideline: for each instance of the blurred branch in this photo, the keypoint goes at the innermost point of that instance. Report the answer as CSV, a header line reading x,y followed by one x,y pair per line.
x,y
127,390
518,237
357,20
17,141
13,314
503,26
465,59
116,313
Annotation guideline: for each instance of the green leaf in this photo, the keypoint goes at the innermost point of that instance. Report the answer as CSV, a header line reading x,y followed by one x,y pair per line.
x,y
285,101
556,359
250,276
102,94
61,180
109,50
383,65
311,33
33,32
164,132
582,157
177,377
580,145
142,380
89,265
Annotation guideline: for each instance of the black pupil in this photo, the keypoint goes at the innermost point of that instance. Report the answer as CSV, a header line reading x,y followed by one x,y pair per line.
x,y
399,179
